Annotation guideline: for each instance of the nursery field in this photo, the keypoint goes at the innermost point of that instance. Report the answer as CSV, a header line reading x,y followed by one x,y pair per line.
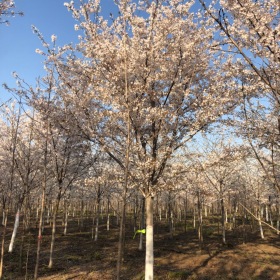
x,y
158,120
78,256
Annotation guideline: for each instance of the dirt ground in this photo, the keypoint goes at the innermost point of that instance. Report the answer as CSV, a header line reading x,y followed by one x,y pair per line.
x,y
77,256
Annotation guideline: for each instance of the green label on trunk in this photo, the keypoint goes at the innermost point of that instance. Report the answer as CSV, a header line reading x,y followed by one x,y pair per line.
x,y
139,231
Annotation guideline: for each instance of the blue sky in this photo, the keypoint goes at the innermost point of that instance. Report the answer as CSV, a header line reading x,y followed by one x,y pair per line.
x,y
18,42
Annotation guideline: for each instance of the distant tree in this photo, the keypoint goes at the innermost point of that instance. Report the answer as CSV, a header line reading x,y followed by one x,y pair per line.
x,y
70,157
222,161
249,31
11,118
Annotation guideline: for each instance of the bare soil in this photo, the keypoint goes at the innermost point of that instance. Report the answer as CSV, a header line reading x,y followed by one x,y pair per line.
x,y
246,256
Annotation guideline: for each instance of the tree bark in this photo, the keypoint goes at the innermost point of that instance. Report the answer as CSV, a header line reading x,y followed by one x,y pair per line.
x,y
259,221
40,232
223,221
149,259
121,237
11,246
53,232
199,212
108,214
97,213
66,219
278,217
3,244
170,215
142,224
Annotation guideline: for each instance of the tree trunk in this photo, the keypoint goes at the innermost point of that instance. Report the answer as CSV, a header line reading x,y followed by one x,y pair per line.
x,y
260,223
93,222
205,211
97,214
81,216
3,217
66,219
96,224
121,237
108,222
27,258
199,208
48,216
135,213
186,212
3,244
53,232
234,216
142,224
25,227
11,246
108,215
261,229
244,227
170,216
149,259
40,230
223,221
194,218
266,214
278,217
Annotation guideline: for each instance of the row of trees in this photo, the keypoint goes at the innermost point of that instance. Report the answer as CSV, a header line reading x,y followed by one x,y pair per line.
x,y
68,175
132,96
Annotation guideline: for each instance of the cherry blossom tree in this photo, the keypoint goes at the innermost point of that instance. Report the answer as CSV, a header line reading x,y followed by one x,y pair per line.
x,y
19,168
151,75
249,31
100,178
11,124
9,128
139,86
260,129
69,160
222,162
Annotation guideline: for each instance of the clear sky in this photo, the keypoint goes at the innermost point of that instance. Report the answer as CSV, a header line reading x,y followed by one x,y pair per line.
x,y
18,43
